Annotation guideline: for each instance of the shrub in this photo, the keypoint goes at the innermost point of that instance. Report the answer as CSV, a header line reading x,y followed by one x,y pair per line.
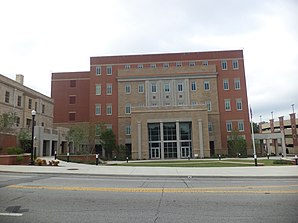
x,y
14,151
19,158
282,162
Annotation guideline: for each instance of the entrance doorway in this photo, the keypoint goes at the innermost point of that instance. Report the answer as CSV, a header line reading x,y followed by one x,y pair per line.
x,y
155,153
185,152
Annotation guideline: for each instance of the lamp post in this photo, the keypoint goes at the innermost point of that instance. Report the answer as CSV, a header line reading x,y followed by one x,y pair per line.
x,y
33,113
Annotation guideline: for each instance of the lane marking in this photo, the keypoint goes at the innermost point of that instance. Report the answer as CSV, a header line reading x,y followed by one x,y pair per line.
x,y
165,190
11,214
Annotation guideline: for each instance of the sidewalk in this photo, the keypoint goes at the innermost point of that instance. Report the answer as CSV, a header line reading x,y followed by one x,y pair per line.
x,y
84,169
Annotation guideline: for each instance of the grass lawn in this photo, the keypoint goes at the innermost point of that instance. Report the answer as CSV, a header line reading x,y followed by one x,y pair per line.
x,y
201,163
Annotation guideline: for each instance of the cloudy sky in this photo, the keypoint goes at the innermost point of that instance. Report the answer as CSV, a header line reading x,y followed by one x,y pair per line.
x,y
41,37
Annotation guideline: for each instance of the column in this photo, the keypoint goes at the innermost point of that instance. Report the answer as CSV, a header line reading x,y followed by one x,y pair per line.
x,y
139,140
162,148
201,138
294,129
178,139
282,130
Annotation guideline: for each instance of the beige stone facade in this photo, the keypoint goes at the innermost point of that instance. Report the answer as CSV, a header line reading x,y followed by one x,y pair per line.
x,y
176,95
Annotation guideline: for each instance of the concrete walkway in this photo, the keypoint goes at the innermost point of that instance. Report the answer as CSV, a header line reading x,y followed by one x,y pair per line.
x,y
76,168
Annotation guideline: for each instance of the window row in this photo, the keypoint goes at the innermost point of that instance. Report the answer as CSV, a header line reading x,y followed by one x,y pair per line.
x,y
228,106
109,109
226,84
109,70
239,127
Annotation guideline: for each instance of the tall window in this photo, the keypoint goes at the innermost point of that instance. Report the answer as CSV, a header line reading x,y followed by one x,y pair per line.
x,y
241,125
235,64
229,126
127,130
7,96
72,99
226,84
141,88
180,87
71,116
206,85
109,89
35,107
167,87
109,70
97,129
237,84
224,65
227,104
97,109
193,86
210,127
43,109
19,102
239,104
73,83
109,109
208,104
98,89
127,89
30,103
153,88
98,70
127,108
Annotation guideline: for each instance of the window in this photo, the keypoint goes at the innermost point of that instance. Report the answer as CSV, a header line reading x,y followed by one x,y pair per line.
x,y
153,88
127,130
109,126
167,87
194,103
140,66
97,130
73,83
97,109
30,103
109,109
180,87
192,64
239,104
19,102
237,84
18,121
153,65
35,106
98,70
206,85
98,89
226,84
229,126
210,127
141,88
179,64
72,100
227,104
109,70
127,88
224,65
235,64
193,86
43,108
7,96
72,116
127,108
241,125
208,104
205,63
127,66
109,89
166,65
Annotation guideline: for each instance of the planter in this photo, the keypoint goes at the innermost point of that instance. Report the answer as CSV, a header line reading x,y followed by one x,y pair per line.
x,y
20,159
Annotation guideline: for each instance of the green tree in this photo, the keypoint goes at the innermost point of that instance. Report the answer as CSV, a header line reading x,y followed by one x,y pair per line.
x,y
79,135
236,144
25,140
7,122
108,141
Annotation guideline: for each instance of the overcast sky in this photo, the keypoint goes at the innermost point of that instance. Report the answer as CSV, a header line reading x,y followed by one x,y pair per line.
x,y
41,37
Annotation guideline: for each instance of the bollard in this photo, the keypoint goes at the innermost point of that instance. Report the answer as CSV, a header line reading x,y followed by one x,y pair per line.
x,y
67,157
127,159
188,157
296,158
219,157
55,155
256,161
282,155
268,156
96,156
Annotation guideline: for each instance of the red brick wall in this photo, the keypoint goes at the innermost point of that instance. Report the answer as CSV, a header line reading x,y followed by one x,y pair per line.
x,y
6,141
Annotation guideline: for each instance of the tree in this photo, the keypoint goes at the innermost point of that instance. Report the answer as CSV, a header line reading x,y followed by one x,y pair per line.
x,y
25,140
79,135
7,121
255,127
108,141
236,145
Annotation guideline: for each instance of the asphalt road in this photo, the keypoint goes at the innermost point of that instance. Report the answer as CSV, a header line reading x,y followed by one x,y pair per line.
x,y
73,198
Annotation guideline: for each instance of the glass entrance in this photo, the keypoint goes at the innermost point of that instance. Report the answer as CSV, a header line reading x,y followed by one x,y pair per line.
x,y
155,153
185,152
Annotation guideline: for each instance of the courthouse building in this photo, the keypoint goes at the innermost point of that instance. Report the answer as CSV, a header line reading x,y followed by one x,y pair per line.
x,y
160,106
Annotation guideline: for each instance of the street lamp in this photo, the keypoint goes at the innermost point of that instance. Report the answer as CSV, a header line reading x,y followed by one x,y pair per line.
x,y
33,113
